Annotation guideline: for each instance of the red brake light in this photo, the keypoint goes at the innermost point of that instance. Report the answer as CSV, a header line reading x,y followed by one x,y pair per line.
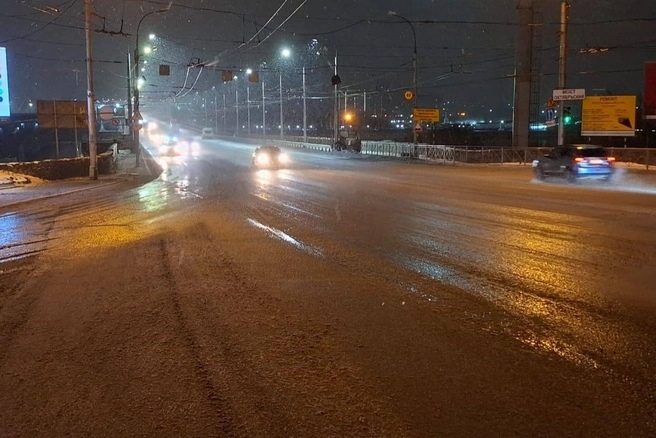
x,y
579,159
610,159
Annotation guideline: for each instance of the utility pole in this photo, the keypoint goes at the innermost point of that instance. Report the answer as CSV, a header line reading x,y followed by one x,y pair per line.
x,y
128,118
523,68
225,115
282,126
336,109
248,107
304,109
562,69
263,114
237,107
91,100
216,116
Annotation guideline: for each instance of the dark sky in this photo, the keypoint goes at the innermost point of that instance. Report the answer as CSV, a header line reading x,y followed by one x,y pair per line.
x,y
465,57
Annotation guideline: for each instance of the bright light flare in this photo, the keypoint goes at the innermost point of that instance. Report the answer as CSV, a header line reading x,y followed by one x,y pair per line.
x,y
283,158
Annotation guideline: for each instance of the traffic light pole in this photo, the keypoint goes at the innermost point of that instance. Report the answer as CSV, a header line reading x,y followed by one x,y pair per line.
x,y
562,66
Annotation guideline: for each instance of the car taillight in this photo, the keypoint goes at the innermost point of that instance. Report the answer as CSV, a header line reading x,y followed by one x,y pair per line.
x,y
579,159
610,159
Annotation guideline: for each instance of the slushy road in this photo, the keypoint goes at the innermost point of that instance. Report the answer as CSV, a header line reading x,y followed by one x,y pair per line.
x,y
341,296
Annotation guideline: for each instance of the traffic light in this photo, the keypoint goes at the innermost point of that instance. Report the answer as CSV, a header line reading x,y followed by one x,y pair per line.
x,y
567,115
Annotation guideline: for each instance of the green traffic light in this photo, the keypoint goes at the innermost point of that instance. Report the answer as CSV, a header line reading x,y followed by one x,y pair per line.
x,y
568,120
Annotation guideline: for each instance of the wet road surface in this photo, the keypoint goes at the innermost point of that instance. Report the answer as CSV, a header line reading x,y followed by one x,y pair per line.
x,y
341,296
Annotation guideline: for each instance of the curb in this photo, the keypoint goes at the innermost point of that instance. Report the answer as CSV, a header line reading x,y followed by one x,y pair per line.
x,y
54,195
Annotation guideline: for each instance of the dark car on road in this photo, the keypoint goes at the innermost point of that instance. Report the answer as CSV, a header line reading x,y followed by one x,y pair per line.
x,y
269,157
575,162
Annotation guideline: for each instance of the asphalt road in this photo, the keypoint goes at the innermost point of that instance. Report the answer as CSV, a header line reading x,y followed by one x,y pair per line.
x,y
341,296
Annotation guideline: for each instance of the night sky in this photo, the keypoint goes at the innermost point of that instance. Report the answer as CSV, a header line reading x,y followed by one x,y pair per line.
x,y
466,57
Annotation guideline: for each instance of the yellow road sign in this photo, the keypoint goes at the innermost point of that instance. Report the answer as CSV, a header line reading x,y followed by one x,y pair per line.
x,y
426,115
609,116
409,95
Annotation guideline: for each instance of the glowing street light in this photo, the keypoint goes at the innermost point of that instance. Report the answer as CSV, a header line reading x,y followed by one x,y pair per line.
x,y
286,53
152,36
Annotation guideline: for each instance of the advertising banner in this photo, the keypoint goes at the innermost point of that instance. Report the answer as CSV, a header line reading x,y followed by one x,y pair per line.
x,y
649,97
613,116
5,110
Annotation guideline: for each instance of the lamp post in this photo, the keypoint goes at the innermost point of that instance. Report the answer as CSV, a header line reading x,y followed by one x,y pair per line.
x,y
286,53
414,63
248,100
137,56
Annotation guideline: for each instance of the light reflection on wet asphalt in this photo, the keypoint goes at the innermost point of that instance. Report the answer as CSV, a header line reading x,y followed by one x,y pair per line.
x,y
567,265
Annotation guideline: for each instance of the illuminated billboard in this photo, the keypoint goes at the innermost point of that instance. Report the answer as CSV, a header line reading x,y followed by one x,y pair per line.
x,y
649,97
4,84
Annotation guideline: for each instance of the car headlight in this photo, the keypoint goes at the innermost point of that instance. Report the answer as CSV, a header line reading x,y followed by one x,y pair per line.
x,y
283,158
263,159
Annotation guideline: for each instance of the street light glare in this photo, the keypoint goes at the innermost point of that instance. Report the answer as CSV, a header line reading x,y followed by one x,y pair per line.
x,y
286,53
148,50
249,71
151,36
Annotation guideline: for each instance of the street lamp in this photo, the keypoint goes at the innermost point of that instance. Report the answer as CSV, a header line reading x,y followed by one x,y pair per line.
x,y
249,72
414,62
136,70
286,53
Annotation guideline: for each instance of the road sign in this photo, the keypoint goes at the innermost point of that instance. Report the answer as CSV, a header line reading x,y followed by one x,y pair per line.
x,y
409,95
612,116
62,114
137,116
426,115
551,103
569,94
106,113
418,128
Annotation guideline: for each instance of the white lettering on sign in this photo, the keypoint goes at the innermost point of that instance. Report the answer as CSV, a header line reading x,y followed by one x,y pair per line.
x,y
569,94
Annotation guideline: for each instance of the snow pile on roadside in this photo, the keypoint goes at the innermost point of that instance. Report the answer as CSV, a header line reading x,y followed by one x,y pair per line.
x,y
11,179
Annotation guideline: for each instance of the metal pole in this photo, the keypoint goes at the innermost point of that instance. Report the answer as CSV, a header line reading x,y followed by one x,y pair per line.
x,y
237,108
206,113
263,114
216,116
562,66
282,125
91,101
129,115
135,122
414,76
248,107
365,103
336,109
225,115
304,109
54,114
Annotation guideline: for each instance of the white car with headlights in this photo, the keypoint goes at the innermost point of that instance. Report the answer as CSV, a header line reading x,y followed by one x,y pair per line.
x,y
269,157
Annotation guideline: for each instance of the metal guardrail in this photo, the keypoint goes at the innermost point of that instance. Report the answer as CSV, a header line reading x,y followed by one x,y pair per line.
x,y
451,154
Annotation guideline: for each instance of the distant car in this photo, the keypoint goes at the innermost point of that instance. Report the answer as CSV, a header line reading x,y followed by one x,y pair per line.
x,y
207,133
173,147
170,147
575,162
269,157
